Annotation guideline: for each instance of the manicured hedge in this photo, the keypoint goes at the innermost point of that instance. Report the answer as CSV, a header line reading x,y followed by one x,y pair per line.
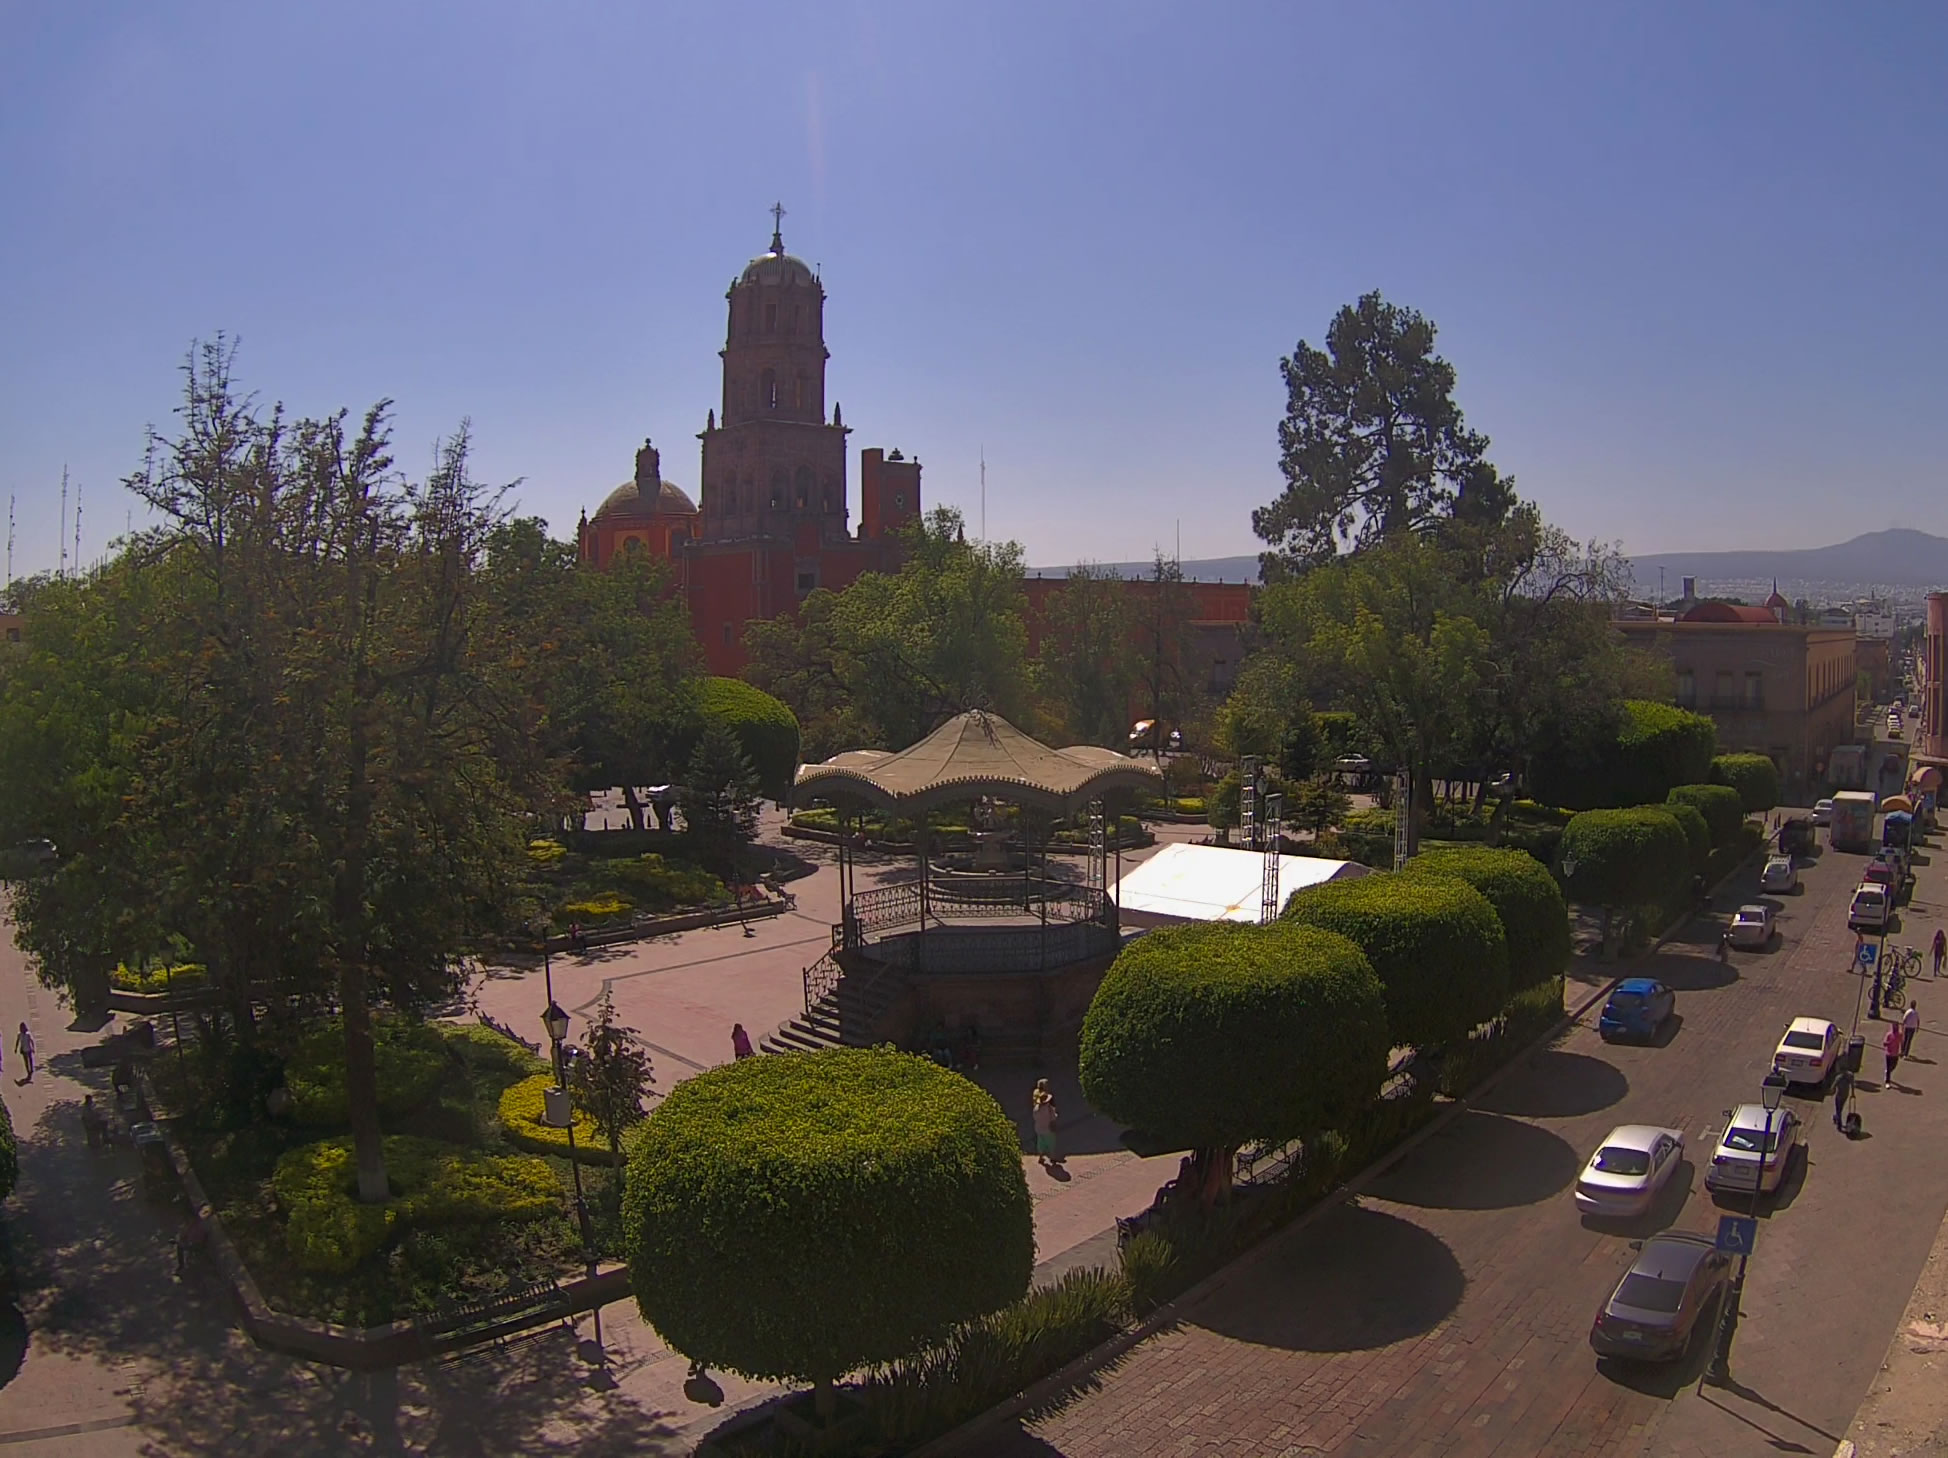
x,y
329,1231
1435,942
411,1059
1208,1036
1754,776
1625,857
1534,917
800,1216
1690,819
1651,748
766,730
521,1108
9,1154
1720,806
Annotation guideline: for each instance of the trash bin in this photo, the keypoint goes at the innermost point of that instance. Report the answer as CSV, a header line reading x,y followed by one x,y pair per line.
x,y
1856,1050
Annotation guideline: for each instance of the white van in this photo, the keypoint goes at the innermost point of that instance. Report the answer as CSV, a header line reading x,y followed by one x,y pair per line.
x,y
1870,910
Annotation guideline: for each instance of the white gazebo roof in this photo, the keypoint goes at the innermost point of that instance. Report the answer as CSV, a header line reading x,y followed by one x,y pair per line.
x,y
1214,883
973,754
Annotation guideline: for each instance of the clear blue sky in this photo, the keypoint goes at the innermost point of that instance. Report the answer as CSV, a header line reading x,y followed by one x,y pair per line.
x,y
1686,259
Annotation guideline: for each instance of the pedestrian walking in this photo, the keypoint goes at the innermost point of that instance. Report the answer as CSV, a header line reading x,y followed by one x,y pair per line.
x,y
24,1046
92,1123
740,1042
1842,1092
1910,1025
1940,949
1891,1046
189,1240
1043,1114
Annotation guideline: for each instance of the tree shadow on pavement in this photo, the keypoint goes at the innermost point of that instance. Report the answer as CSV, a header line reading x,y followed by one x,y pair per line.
x,y
1557,1085
1356,1279
1480,1161
95,1264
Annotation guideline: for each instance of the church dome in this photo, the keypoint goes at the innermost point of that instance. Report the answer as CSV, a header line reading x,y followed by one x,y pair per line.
x,y
630,500
777,267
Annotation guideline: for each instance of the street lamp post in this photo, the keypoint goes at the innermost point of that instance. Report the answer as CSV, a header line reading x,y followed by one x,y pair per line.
x,y
554,1021
1771,1092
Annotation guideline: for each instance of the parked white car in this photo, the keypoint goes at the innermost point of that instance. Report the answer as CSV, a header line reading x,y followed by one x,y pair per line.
x,y
1752,926
1628,1169
1808,1051
1871,908
1779,875
1745,1156
1822,812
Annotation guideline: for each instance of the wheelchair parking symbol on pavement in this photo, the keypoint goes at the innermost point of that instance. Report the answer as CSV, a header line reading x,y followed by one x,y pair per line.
x,y
1737,1233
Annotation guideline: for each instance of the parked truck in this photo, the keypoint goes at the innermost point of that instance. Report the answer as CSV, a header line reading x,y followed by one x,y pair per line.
x,y
1853,820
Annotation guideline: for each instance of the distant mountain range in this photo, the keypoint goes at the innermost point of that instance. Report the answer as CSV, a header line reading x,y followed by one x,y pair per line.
x,y
1199,569
1896,558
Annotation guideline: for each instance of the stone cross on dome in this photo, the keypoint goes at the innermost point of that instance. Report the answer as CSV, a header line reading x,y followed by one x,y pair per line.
x,y
777,227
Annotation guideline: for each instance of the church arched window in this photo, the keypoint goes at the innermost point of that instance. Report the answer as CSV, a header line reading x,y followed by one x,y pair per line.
x,y
768,390
803,485
780,486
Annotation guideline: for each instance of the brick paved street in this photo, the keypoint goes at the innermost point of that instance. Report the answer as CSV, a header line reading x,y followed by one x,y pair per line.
x,y
1445,1312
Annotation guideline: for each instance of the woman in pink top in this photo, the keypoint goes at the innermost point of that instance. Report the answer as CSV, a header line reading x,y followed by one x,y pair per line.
x,y
1891,1046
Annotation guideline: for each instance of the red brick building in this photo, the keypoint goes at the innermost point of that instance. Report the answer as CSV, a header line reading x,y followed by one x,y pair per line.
x,y
771,522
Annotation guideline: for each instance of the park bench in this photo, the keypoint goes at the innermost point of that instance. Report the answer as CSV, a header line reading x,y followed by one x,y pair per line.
x,y
494,1320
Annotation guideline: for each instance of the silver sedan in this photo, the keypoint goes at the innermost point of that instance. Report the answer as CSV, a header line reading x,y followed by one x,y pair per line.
x,y
1628,1169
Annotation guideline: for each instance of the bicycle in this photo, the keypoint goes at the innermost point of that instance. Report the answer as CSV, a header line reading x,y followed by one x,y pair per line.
x,y
1908,959
1896,984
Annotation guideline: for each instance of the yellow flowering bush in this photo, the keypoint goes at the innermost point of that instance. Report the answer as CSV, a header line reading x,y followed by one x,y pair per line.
x,y
603,903
181,977
328,1230
521,1108
546,852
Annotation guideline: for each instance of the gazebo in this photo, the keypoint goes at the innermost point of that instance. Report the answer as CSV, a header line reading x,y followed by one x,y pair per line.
x,y
979,938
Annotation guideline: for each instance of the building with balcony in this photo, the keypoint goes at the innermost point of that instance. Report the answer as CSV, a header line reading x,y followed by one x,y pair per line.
x,y
1779,689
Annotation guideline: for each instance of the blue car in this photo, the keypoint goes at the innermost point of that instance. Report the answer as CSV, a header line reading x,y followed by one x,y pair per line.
x,y
1637,1008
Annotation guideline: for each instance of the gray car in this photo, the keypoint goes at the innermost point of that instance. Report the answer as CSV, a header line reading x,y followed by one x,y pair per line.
x,y
1676,1280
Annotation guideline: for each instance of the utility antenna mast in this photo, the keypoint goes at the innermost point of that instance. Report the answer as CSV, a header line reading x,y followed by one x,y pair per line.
x,y
63,572
10,543
77,529
984,493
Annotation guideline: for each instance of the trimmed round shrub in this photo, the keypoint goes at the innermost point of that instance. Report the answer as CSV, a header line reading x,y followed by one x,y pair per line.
x,y
803,1215
1624,857
1534,917
1697,834
1719,804
1754,776
9,1154
410,1059
1435,942
521,1108
1652,747
765,729
1211,1035
329,1230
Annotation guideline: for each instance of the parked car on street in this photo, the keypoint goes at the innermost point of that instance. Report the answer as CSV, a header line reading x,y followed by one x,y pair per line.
x,y
1779,875
1745,1156
1752,926
1637,1007
1871,909
1628,1169
1808,1051
1822,812
1676,1282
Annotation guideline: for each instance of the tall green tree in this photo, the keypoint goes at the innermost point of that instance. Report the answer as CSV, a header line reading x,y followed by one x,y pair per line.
x,y
904,652
1169,684
318,762
719,797
612,1075
1373,445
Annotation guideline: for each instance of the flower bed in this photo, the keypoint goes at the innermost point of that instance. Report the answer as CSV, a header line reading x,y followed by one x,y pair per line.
x,y
521,1108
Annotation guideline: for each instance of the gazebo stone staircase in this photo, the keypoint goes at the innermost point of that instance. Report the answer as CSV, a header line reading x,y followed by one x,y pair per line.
x,y
842,1011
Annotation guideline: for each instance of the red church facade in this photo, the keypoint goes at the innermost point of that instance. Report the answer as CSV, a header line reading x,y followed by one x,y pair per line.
x,y
771,522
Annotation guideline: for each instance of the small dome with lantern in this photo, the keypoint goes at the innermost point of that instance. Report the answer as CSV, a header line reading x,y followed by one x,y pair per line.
x,y
647,494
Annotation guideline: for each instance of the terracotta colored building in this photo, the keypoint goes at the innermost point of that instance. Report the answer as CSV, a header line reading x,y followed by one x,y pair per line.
x,y
771,521
1780,689
1933,740
1220,618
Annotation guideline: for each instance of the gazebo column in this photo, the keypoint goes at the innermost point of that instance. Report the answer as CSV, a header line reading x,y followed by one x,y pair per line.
x,y
920,941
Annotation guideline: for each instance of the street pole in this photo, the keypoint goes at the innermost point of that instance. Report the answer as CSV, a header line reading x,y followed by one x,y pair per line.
x,y
1719,1374
556,1024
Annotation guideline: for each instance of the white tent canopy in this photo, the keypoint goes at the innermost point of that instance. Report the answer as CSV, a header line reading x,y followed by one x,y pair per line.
x,y
1214,883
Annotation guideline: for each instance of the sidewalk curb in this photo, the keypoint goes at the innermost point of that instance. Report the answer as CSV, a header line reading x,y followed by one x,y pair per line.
x,y
1056,1383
